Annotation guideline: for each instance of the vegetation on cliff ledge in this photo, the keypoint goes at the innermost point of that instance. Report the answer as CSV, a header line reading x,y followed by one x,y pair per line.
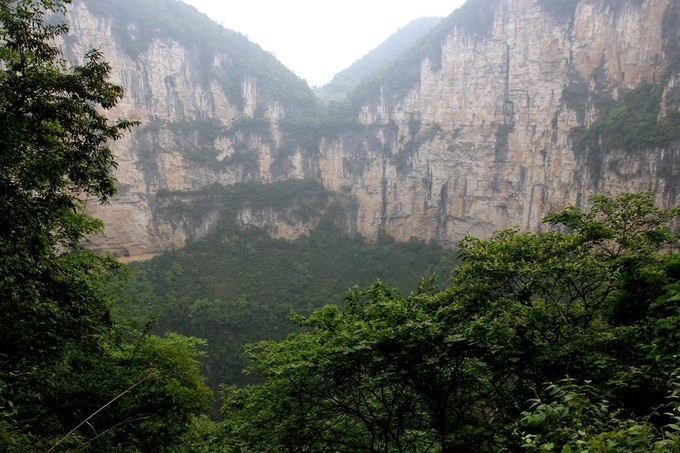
x,y
632,123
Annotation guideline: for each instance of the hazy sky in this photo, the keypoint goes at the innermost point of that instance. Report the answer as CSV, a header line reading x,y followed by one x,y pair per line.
x,y
318,38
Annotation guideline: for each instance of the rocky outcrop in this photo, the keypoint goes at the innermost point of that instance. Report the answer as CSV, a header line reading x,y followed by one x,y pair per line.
x,y
488,135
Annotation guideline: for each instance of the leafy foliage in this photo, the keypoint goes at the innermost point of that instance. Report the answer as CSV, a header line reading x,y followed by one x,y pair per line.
x,y
61,355
54,149
575,418
465,369
156,380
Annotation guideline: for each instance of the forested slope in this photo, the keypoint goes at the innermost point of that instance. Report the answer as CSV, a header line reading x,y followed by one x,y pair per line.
x,y
247,289
377,59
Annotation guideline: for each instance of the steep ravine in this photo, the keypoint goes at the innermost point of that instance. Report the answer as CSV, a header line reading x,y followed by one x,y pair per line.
x,y
490,129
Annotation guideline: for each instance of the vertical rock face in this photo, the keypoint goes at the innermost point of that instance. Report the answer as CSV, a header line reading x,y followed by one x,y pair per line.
x,y
182,142
485,136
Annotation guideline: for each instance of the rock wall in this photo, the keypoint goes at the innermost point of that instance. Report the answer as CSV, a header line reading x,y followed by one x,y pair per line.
x,y
166,90
483,140
494,146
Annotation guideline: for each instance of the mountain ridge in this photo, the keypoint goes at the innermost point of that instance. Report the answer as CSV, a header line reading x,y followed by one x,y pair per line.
x,y
374,60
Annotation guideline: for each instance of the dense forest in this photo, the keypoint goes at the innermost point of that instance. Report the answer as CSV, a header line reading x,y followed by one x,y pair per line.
x,y
561,340
246,290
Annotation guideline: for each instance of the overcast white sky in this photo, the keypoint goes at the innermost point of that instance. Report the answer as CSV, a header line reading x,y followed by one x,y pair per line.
x,y
318,38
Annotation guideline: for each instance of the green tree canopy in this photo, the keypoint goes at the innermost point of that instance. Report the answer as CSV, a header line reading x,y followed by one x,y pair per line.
x,y
62,358
55,153
560,339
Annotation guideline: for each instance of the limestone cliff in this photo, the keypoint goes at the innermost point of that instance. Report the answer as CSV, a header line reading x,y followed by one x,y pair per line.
x,y
496,117
208,104
485,138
